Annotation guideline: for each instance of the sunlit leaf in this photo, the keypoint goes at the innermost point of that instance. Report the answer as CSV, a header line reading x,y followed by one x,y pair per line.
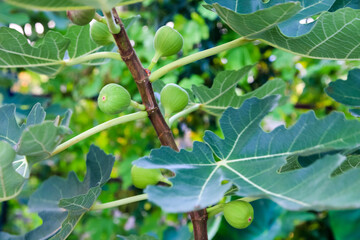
x,y
47,56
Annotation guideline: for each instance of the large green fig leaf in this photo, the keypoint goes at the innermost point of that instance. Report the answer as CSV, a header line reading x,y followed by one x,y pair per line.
x,y
347,92
25,145
222,93
47,56
250,159
63,5
290,26
62,202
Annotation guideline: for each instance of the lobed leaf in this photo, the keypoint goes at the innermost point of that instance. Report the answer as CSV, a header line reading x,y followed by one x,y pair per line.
x,y
222,93
31,142
62,202
250,159
277,23
47,56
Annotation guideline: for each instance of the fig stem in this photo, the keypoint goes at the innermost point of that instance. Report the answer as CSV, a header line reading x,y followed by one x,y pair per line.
x,y
120,202
212,211
154,61
197,56
113,27
137,105
99,18
99,128
98,55
183,113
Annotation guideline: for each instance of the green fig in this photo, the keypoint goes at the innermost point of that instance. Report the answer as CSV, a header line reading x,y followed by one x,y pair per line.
x,y
100,33
173,98
113,99
239,214
167,42
81,17
142,177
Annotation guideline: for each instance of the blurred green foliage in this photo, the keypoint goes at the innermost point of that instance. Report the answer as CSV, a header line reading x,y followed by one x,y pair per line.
x,y
77,88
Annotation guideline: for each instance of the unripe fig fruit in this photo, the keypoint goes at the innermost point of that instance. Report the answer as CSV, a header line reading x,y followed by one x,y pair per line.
x,y
113,99
142,177
173,98
167,41
81,17
100,33
239,214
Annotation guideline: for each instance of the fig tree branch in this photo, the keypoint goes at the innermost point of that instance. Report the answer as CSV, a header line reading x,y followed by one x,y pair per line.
x,y
144,86
141,77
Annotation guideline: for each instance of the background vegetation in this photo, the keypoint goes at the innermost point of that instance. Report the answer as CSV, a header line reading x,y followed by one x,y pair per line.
x,y
77,89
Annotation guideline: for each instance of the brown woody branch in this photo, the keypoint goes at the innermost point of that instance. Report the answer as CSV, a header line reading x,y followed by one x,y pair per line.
x,y
144,86
199,220
141,77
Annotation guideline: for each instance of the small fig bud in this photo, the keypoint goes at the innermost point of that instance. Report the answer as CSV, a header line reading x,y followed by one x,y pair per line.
x,y
239,214
113,99
81,17
167,41
142,177
100,33
173,98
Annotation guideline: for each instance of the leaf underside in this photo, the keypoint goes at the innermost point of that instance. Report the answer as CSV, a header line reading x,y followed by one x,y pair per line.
x,y
291,26
62,202
25,145
251,159
47,56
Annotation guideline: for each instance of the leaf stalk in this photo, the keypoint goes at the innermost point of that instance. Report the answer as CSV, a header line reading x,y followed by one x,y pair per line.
x,y
99,128
197,56
120,202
